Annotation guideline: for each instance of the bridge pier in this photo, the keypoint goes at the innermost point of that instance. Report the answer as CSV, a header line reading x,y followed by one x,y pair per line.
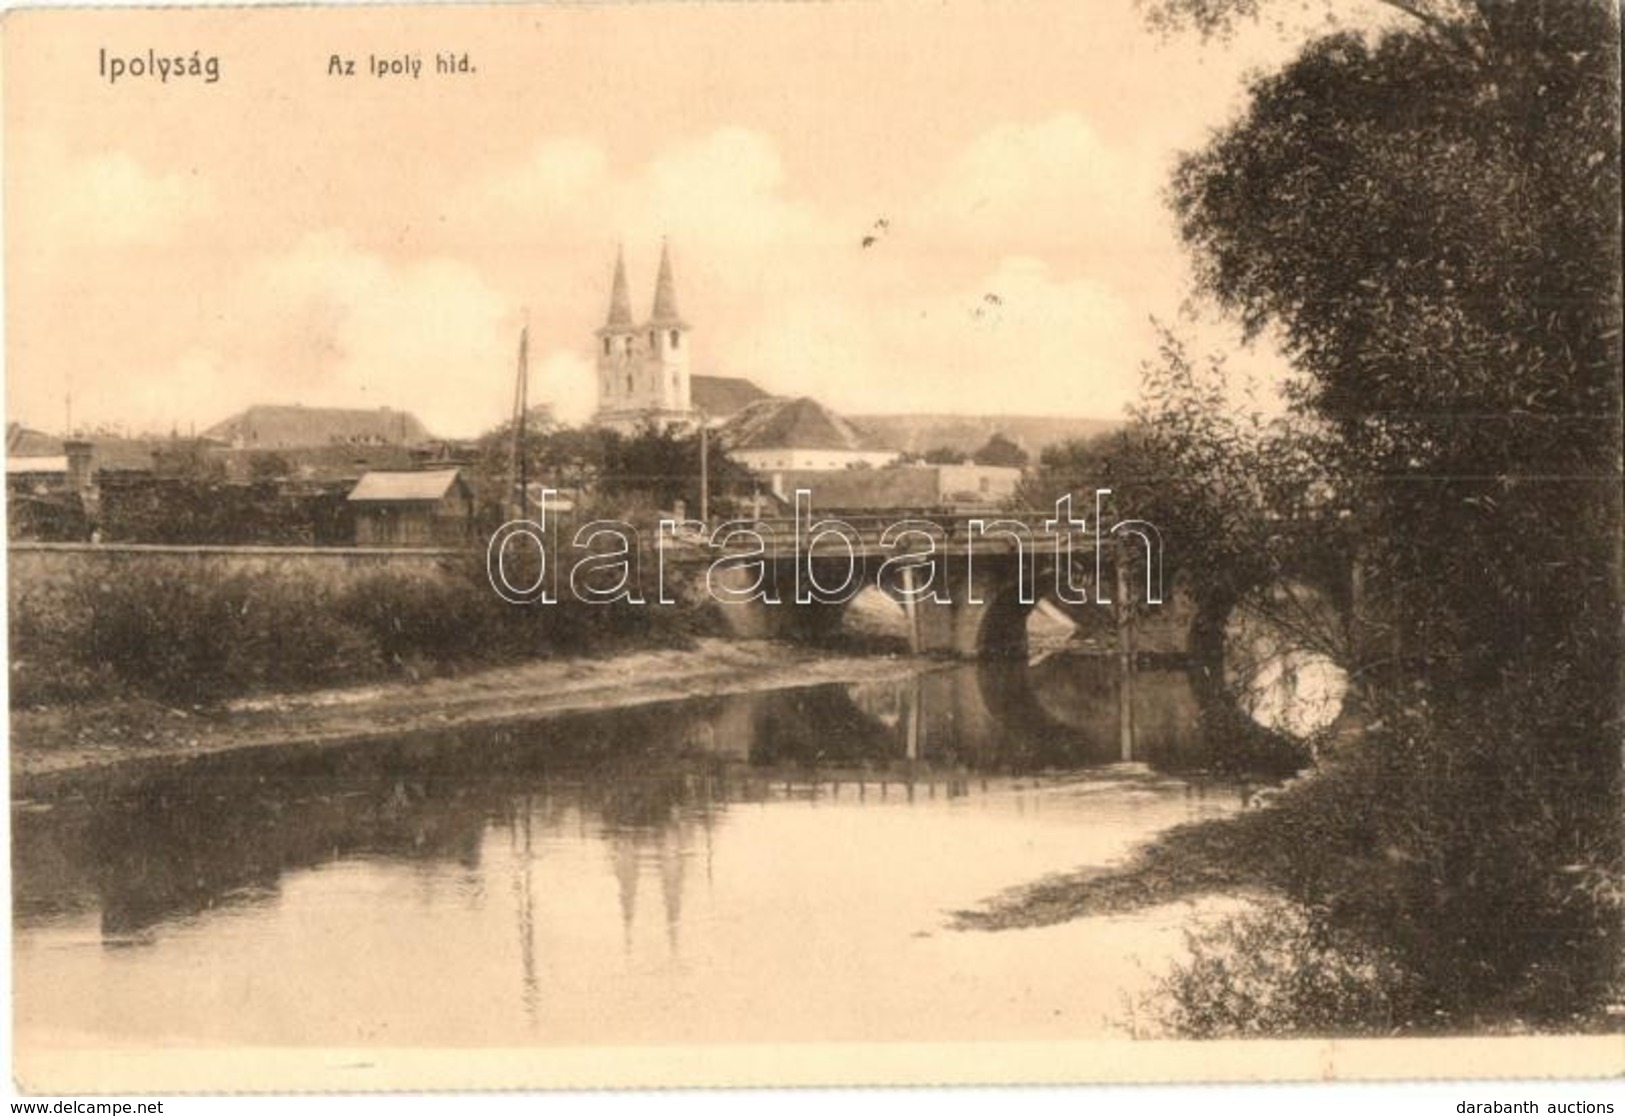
x,y
971,629
970,615
745,616
984,618
751,617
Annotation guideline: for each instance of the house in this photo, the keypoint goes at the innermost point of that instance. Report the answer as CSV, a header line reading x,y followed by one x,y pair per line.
x,y
40,503
332,464
433,507
67,470
897,488
777,434
268,427
975,435
48,495
37,474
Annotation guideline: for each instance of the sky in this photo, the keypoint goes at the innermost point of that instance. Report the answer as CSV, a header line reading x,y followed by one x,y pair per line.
x,y
176,251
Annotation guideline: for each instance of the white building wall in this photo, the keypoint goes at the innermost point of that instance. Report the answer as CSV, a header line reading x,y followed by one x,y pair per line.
x,y
991,482
773,458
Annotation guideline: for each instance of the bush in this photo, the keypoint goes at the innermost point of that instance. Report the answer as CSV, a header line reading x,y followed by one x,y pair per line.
x,y
198,635
1475,849
182,635
1439,874
405,619
1276,970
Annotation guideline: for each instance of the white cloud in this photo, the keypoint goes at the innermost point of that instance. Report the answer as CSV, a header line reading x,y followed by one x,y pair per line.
x,y
720,187
561,171
725,187
1019,339
821,344
567,379
1050,187
110,200
1045,343
327,324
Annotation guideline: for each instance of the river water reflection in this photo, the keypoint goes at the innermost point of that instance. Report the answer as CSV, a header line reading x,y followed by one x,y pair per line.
x,y
770,866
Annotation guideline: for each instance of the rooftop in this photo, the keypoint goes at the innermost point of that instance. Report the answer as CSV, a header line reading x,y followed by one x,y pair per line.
x,y
395,487
721,397
778,423
55,464
278,426
31,443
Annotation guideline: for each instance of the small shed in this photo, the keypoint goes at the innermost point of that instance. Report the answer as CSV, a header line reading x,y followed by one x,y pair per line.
x,y
428,508
36,474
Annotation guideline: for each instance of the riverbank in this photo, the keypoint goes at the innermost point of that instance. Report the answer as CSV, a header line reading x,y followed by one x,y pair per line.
x,y
1367,894
59,740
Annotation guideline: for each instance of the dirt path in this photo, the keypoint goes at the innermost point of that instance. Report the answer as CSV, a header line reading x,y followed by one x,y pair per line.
x,y
47,742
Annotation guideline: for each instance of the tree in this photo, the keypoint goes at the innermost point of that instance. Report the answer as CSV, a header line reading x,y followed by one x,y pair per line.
x,y
269,466
1428,218
564,458
1430,222
663,466
1242,500
999,450
649,470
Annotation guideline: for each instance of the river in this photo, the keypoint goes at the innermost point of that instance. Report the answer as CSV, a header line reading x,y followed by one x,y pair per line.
x,y
766,866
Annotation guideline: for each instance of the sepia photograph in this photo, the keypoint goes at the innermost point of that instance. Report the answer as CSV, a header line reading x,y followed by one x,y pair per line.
x,y
679,544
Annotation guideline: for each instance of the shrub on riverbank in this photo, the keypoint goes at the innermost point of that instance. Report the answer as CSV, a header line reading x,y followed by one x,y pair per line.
x,y
199,635
1277,970
1443,875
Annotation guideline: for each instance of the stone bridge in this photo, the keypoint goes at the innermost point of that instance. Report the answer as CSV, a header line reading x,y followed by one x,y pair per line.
x,y
966,584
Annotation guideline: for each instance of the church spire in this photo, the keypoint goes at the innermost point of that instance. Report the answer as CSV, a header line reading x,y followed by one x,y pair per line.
x,y
665,308
620,302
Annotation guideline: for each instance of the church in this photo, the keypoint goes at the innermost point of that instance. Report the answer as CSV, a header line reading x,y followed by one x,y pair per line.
x,y
644,373
643,368
645,380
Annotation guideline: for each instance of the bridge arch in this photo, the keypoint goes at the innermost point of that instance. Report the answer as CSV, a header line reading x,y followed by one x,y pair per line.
x,y
979,612
1278,650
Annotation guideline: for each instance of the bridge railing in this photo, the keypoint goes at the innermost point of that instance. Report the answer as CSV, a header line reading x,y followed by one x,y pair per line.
x,y
958,532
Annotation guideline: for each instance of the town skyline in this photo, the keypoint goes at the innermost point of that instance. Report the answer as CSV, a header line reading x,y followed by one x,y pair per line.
x,y
387,252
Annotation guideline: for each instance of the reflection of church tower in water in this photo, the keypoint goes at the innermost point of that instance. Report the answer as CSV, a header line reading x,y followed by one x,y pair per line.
x,y
643,369
665,849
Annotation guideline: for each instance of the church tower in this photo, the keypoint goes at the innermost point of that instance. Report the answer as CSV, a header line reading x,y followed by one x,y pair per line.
x,y
618,356
643,370
668,342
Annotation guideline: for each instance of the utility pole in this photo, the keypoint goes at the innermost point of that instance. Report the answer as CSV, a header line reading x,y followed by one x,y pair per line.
x,y
521,403
1125,658
524,414
705,470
